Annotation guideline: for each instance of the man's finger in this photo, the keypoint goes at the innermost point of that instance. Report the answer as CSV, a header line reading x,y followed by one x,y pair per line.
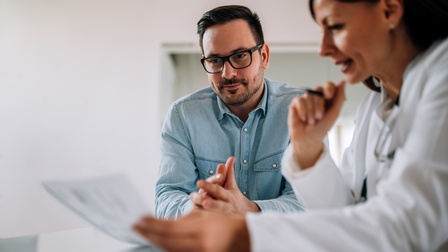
x,y
230,177
213,190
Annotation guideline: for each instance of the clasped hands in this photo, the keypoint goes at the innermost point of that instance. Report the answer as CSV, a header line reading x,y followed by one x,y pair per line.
x,y
220,193
221,228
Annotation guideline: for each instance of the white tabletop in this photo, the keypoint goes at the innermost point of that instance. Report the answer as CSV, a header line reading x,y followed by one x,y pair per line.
x,y
73,240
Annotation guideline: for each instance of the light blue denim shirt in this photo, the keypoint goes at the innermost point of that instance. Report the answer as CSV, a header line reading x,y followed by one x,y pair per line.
x,y
200,132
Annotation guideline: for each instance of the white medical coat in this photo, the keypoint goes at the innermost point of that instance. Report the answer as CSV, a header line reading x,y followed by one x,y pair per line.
x,y
407,205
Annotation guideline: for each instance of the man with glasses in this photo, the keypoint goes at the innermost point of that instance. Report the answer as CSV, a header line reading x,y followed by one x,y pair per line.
x,y
242,114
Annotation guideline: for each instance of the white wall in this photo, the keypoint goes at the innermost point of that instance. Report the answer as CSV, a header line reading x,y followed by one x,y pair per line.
x,y
80,88
75,100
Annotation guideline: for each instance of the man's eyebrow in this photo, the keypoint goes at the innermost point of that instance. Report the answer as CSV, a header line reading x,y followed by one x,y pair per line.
x,y
231,52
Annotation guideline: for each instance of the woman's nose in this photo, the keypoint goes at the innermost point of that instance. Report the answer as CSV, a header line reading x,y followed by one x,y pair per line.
x,y
327,47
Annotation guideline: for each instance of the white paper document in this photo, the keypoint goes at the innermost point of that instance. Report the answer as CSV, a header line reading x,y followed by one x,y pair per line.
x,y
110,203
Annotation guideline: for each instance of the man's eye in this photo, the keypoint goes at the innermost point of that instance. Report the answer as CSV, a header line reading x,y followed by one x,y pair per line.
x,y
240,55
213,60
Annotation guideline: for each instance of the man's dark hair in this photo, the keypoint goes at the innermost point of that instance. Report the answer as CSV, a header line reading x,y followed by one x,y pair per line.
x,y
224,14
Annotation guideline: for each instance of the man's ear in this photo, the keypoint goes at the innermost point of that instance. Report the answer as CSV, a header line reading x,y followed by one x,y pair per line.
x,y
265,54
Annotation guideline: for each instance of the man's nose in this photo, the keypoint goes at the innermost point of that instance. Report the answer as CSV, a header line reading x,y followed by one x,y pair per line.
x,y
227,70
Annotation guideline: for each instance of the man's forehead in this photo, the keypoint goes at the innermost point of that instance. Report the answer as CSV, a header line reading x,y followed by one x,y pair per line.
x,y
226,38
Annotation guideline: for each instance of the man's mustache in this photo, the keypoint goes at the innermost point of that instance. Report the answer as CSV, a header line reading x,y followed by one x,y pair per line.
x,y
231,81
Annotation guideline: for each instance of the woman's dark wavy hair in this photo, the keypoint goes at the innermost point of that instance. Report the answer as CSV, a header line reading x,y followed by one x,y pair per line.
x,y
224,14
425,21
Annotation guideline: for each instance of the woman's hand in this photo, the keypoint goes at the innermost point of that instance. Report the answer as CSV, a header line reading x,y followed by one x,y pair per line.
x,y
198,231
310,118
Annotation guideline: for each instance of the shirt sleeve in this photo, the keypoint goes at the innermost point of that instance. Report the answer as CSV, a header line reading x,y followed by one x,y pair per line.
x,y
285,203
177,172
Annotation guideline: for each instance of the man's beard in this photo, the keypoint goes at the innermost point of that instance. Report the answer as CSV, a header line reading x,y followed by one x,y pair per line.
x,y
243,98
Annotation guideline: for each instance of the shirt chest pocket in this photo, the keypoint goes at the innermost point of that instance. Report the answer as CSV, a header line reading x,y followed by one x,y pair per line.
x,y
207,168
268,179
269,164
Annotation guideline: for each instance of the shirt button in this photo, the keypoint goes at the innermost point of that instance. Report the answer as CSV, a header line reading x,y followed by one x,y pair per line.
x,y
244,192
211,171
245,129
245,161
274,165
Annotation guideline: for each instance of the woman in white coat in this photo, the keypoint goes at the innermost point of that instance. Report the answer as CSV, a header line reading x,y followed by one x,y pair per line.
x,y
390,192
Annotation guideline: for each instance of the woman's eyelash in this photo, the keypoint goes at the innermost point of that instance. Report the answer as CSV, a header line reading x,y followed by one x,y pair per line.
x,y
335,27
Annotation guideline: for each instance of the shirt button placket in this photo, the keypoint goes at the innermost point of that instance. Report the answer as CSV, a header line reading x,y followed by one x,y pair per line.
x,y
244,157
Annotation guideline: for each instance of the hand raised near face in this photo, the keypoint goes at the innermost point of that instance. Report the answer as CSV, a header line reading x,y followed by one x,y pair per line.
x,y
221,194
310,118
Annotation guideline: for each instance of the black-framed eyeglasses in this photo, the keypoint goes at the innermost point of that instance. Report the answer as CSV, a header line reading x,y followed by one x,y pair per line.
x,y
237,60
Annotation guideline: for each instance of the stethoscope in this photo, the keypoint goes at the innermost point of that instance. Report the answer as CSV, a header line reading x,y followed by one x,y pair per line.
x,y
381,153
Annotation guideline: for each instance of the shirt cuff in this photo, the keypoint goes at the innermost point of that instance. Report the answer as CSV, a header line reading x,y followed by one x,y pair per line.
x,y
187,207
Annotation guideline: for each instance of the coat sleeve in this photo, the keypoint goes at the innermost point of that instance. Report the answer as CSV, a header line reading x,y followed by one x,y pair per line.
x,y
410,213
321,186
